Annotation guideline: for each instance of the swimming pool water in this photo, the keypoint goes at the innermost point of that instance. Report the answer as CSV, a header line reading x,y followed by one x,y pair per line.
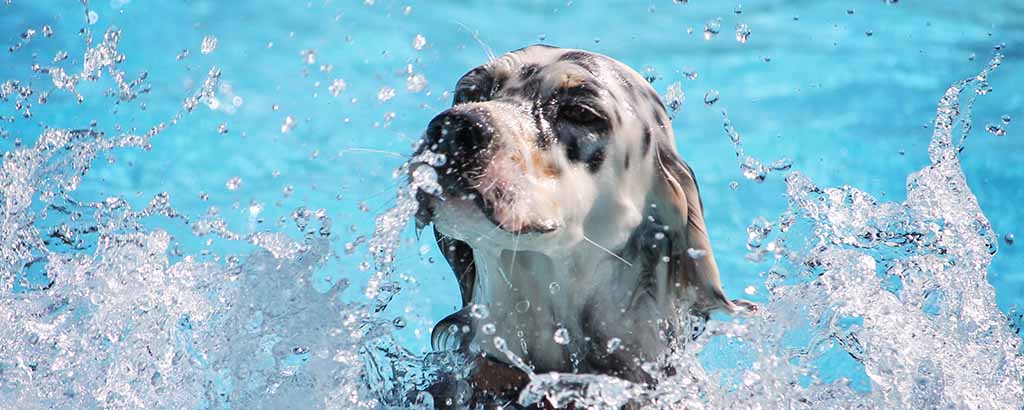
x,y
319,102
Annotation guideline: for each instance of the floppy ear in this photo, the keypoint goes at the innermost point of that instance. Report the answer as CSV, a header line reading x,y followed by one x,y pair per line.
x,y
692,266
460,257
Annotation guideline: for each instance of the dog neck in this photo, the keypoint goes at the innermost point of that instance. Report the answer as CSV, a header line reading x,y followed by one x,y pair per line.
x,y
585,309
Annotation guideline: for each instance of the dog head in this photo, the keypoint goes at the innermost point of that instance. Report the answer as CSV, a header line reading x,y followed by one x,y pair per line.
x,y
549,149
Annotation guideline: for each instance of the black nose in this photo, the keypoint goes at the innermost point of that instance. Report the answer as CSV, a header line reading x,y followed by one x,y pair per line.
x,y
459,134
463,137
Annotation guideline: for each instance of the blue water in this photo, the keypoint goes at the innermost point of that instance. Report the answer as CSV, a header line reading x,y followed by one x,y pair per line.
x,y
847,91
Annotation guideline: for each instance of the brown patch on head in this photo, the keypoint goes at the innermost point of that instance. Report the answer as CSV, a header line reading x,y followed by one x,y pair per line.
x,y
570,80
545,167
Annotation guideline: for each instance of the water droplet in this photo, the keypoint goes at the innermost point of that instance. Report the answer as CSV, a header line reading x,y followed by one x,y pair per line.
x,y
711,97
424,249
561,336
1006,119
418,42
554,287
690,73
364,207
674,97
750,290
209,44
309,56
92,17
523,306
850,11
488,328
479,311
696,253
995,130
734,185
742,32
869,33
222,128
659,235
288,124
233,183
385,93
337,87
613,344
1008,238
712,27
365,266
782,164
47,31
287,191
415,83
399,322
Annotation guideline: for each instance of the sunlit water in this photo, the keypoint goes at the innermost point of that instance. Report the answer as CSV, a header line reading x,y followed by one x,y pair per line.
x,y
222,220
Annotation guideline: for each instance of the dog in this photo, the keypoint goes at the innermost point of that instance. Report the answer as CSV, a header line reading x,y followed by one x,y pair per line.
x,y
574,229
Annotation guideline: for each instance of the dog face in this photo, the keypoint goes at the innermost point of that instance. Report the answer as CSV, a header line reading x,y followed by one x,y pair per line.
x,y
544,147
560,168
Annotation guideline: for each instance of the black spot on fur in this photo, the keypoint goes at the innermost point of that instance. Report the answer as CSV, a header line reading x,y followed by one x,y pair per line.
x,y
596,159
528,71
582,59
646,143
626,161
475,86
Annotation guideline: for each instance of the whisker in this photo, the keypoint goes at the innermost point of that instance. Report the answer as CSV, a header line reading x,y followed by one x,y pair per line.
x,y
606,250
476,36
372,151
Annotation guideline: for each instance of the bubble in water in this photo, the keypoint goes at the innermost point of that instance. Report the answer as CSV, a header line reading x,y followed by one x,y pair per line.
x,y
337,87
561,336
995,130
1008,238
711,97
696,253
209,44
750,290
233,183
385,93
47,31
288,124
742,32
363,206
613,345
399,322
418,42
659,235
364,266
1006,119
479,312
488,329
554,287
690,73
522,306
712,27
733,185
92,17
222,128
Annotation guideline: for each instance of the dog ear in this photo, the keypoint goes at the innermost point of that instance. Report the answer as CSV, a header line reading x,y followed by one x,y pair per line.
x,y
460,257
692,266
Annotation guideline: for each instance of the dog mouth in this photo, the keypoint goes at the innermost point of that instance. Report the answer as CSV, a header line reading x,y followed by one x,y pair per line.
x,y
429,203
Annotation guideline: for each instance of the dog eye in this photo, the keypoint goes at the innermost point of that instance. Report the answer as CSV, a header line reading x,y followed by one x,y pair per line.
x,y
581,114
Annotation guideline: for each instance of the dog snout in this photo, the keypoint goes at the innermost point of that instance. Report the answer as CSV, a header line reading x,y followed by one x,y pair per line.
x,y
460,134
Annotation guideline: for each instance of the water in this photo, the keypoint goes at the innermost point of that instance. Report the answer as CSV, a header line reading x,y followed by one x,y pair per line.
x,y
218,223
